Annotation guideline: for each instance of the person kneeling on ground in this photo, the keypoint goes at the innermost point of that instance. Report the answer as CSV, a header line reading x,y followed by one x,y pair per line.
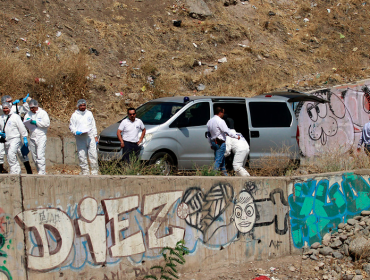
x,y
40,122
240,148
12,129
82,125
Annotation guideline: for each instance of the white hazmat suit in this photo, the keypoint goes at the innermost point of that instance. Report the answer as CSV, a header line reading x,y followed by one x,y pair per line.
x,y
16,110
38,137
14,130
240,148
83,121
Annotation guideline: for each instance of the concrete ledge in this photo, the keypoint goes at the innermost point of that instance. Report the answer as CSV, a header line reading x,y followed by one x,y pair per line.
x,y
66,225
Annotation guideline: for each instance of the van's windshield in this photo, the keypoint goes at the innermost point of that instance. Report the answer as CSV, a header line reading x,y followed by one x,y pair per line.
x,y
153,113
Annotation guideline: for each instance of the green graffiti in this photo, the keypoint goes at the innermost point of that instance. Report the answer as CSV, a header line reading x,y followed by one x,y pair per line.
x,y
316,207
3,269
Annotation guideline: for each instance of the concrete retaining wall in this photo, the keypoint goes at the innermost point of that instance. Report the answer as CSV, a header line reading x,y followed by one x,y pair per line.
x,y
101,227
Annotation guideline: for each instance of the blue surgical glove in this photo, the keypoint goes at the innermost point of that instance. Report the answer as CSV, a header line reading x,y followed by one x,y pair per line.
x,y
33,122
2,134
78,132
16,101
25,141
25,99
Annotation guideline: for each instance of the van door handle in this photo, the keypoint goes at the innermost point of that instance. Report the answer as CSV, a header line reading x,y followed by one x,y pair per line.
x,y
255,134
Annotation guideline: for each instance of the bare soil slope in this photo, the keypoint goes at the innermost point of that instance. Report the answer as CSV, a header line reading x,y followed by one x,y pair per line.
x,y
122,53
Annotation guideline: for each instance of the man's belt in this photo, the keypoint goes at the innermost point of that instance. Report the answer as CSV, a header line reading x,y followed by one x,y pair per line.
x,y
219,141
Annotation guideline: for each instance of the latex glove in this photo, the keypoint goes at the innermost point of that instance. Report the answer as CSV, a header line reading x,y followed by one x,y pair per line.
x,y
16,101
2,134
25,141
78,132
25,99
33,122
28,119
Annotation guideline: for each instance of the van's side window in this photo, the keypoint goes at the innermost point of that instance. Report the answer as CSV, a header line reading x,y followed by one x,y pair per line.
x,y
196,115
270,114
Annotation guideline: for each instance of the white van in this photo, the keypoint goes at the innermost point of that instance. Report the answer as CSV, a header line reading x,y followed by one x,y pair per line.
x,y
176,129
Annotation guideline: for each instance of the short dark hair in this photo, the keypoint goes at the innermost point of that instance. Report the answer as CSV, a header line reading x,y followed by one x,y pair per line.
x,y
218,110
130,109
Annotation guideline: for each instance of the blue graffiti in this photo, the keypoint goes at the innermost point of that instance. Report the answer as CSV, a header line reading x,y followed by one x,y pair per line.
x,y
316,207
80,256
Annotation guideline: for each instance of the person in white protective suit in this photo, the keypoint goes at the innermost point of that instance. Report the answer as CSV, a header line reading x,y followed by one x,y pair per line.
x,y
12,129
240,148
39,122
19,110
82,125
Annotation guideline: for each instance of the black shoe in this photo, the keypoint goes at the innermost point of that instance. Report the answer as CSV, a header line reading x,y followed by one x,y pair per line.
x,y
2,170
28,167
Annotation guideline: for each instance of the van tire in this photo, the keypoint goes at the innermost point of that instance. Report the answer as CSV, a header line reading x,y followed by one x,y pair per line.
x,y
168,162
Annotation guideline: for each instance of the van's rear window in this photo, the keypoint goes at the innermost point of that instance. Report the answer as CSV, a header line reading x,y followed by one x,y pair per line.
x,y
270,114
153,113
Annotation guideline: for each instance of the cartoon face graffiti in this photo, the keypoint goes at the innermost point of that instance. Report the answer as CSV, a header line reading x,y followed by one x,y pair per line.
x,y
324,126
245,212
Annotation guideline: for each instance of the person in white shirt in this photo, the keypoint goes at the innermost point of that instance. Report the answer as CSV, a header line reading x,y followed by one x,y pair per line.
x,y
217,131
240,148
82,125
19,110
128,134
12,129
39,123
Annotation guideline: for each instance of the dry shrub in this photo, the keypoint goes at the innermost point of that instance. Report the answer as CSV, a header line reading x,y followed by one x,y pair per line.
x,y
335,160
14,76
65,82
280,162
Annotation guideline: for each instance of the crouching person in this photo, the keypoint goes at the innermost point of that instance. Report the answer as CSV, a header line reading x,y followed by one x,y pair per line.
x,y
240,148
40,122
12,129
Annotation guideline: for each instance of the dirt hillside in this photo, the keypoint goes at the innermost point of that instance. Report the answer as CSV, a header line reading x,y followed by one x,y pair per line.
x,y
122,53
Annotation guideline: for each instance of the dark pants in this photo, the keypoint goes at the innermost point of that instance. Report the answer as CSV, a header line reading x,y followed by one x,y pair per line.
x,y
128,149
219,149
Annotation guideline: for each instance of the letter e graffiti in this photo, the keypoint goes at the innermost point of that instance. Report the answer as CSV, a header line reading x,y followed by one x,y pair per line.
x,y
131,245
39,221
154,201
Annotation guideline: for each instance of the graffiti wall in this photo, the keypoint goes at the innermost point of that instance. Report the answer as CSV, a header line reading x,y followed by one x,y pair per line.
x,y
336,125
115,227
100,227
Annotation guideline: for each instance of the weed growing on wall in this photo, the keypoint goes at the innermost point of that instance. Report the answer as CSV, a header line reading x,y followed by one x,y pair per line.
x,y
172,257
206,170
134,167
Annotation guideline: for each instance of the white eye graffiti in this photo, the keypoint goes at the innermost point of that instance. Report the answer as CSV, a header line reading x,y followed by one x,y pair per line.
x,y
249,210
238,212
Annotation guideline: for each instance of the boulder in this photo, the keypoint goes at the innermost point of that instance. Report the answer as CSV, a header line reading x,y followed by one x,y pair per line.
x,y
365,213
326,239
366,267
326,251
337,255
315,245
336,244
198,9
359,247
351,222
